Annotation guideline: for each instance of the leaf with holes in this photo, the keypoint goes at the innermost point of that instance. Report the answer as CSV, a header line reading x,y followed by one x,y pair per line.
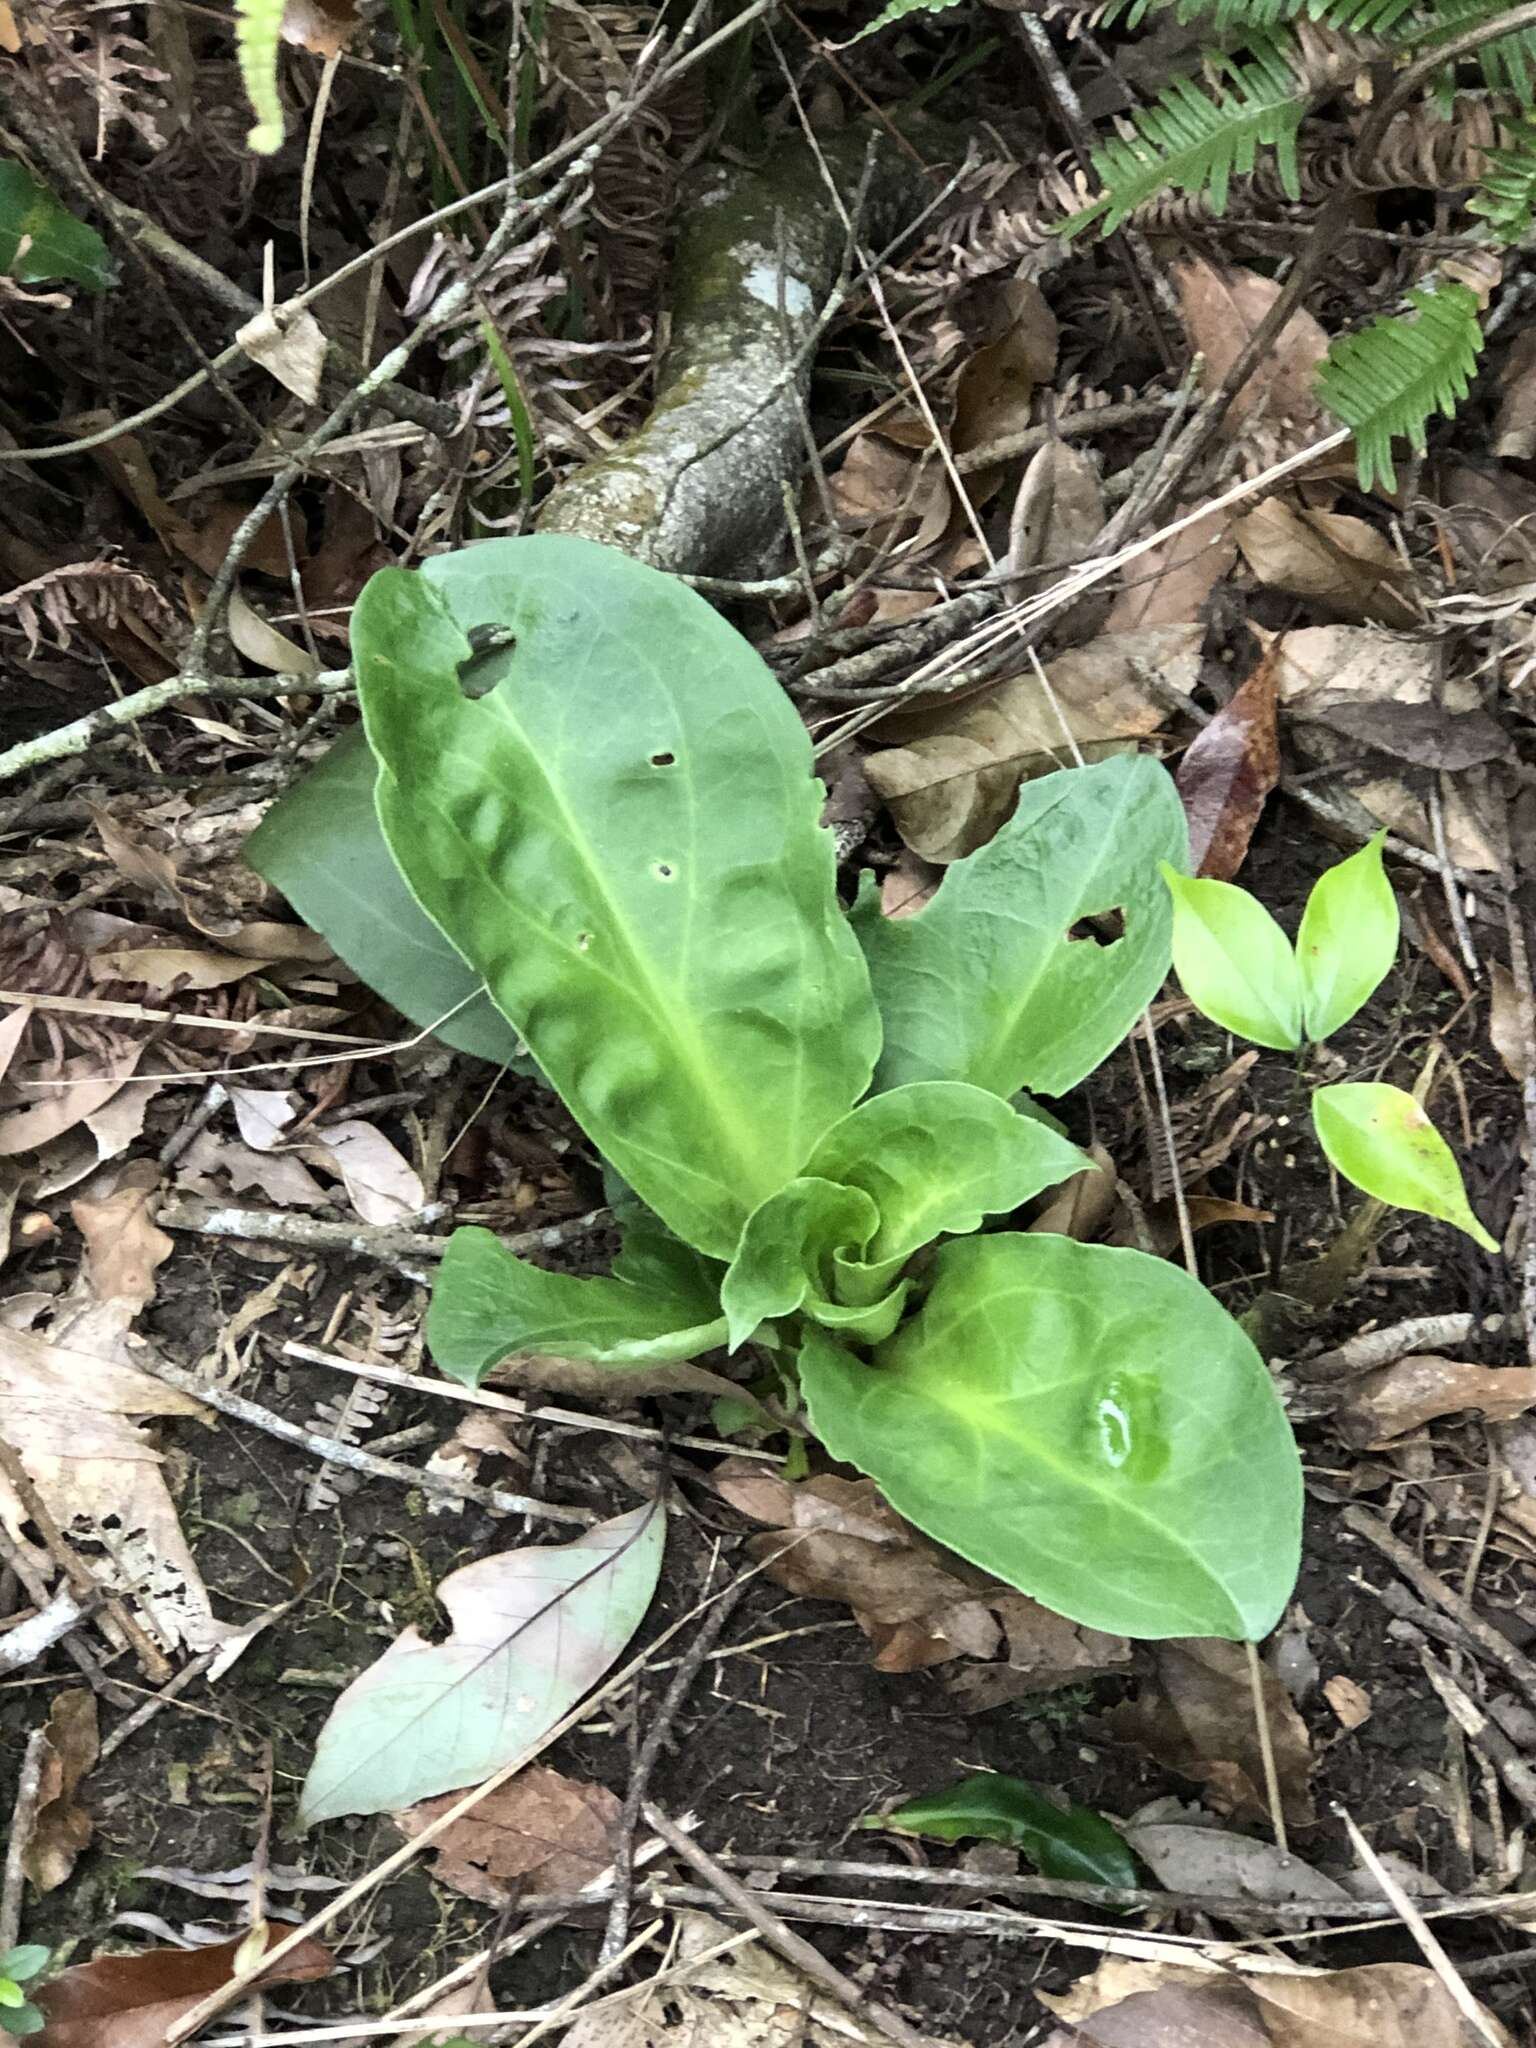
x,y
533,1630
623,823
321,845
1379,1138
1088,1423
1002,980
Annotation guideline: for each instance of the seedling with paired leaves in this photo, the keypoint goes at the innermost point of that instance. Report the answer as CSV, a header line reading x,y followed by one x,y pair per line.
x,y
1239,969
609,812
18,1967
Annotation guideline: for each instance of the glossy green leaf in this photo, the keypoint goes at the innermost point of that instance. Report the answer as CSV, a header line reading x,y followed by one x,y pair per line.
x,y
488,1304
40,239
787,1248
999,981
935,1157
25,2019
322,846
1061,1841
1347,941
533,1629
1379,1138
1233,961
1089,1424
622,834
26,1961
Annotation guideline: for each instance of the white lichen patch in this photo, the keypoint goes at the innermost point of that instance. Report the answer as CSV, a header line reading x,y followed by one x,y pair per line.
x,y
764,282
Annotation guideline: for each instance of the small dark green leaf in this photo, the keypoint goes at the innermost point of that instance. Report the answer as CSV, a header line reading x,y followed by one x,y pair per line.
x,y
24,1962
321,844
1070,1842
39,239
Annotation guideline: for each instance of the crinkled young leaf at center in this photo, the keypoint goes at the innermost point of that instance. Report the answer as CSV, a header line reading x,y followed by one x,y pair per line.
x,y
621,833
1000,980
1089,1424
785,1259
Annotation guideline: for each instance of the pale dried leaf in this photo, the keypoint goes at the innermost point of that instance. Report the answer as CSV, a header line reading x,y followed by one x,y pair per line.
x,y
61,1826
1402,1397
1169,584
54,1096
209,1161
382,1187
1505,1032
1222,307
263,645
124,1246
1336,560
1214,1860
1350,1702
289,346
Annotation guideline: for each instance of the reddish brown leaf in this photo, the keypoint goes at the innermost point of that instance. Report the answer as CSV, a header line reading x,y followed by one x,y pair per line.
x,y
541,1827
134,2001
62,1827
1229,771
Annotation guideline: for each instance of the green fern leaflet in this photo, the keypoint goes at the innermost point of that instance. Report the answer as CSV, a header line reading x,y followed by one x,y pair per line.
x,y
898,10
1195,140
1391,378
258,27
1507,197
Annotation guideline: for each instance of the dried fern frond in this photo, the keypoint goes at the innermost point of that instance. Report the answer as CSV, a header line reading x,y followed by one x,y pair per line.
x,y
99,593
1390,379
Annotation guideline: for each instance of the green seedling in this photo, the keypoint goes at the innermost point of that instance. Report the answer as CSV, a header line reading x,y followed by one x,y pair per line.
x,y
1060,1840
18,1966
611,820
1239,969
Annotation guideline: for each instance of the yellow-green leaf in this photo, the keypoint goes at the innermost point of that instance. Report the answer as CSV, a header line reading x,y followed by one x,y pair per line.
x,y
1380,1139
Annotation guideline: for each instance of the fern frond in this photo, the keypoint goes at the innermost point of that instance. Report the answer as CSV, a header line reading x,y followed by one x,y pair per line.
x,y
258,29
1508,63
1253,17
1389,379
896,10
1506,198
1194,137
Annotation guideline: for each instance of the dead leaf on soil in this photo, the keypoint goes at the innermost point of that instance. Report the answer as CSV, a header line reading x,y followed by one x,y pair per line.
x,y
289,345
1351,1703
995,390
62,1827
1336,560
1128,2004
954,780
1196,1717
43,1099
911,883
1169,584
1398,1398
1057,517
1187,1858
918,1604
1504,1030
383,1187
1278,406
1228,772
1514,427
540,1832
134,2001
1082,1206
210,1161
124,1247
262,644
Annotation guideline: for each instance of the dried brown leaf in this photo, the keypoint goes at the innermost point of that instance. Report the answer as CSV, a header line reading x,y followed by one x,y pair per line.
x,y
1505,1032
1196,1717
289,346
1189,1858
1351,1703
1222,308
46,1098
134,2001
382,1187
1398,1398
1169,584
124,1246
62,1827
540,1831
1228,772
1343,564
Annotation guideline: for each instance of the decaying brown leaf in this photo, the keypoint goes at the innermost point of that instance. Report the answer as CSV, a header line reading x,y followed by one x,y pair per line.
x,y
1222,306
1132,2004
1228,772
1351,1703
1338,561
1196,1717
62,1827
1388,1403
541,1831
1194,1858
124,1247
1505,1032
1169,584
953,780
133,2001
919,1605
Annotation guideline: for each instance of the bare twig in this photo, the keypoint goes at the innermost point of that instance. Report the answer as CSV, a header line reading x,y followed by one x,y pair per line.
x,y
384,1242
1489,1641
12,1554
23,1818
792,1947
1483,1733
358,1460
27,1641
1375,1348
1525,1014
688,1669
147,1712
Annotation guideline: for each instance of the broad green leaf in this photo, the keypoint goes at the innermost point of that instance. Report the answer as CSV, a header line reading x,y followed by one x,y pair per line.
x,y
26,2019
533,1629
787,1248
996,982
622,834
488,1305
1233,961
1379,1138
11,1994
24,1962
322,846
1071,1842
40,239
1089,1424
935,1157
1347,941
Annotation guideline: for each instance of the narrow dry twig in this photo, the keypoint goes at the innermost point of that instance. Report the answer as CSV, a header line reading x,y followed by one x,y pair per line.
x,y
793,1947
1487,1639
387,1243
147,1712
1373,1348
1484,1734
12,1555
688,1668
351,1455
23,1817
